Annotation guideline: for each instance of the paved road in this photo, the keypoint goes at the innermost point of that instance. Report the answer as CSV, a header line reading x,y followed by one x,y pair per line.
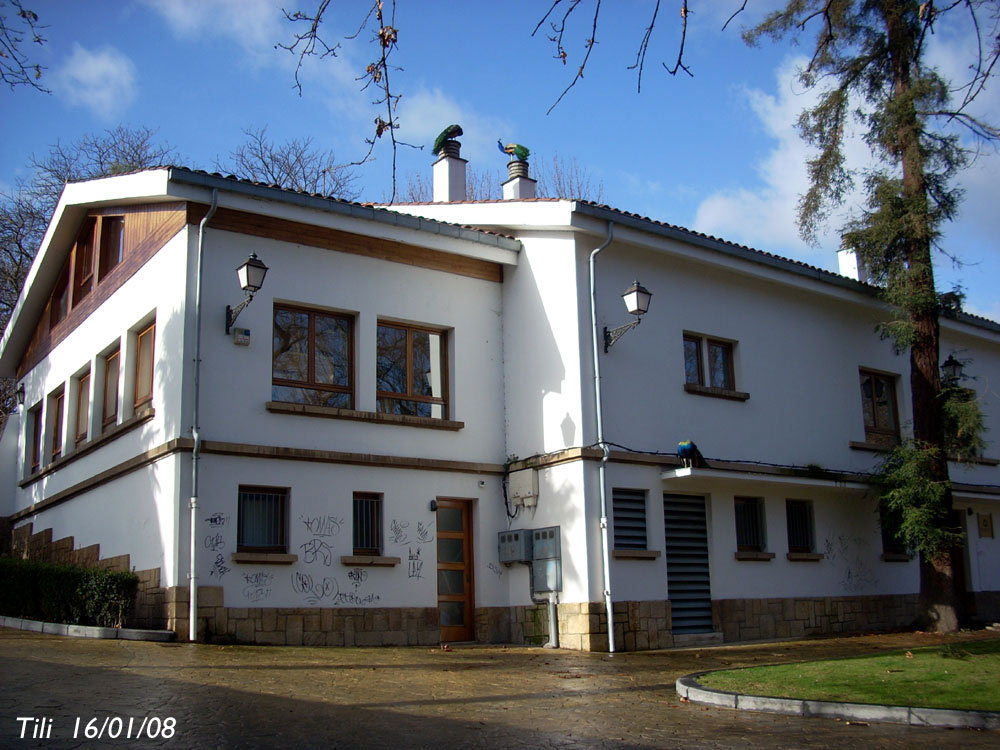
x,y
260,697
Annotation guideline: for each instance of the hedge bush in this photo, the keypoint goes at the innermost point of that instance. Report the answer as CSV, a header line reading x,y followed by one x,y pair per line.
x,y
66,593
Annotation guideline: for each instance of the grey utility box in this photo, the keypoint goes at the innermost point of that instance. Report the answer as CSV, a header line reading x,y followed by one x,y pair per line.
x,y
515,546
546,564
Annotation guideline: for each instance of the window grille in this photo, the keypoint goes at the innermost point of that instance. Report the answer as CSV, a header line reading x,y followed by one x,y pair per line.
x,y
261,525
367,523
629,513
750,524
799,515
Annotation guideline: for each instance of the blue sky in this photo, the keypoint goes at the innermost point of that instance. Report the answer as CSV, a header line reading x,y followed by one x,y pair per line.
x,y
717,153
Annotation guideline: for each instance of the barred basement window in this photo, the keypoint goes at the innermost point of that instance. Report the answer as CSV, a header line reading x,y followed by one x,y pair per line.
x,y
262,514
750,529
628,509
890,521
367,523
799,515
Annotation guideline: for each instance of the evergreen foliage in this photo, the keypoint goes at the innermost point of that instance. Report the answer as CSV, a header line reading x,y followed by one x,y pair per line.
x,y
66,593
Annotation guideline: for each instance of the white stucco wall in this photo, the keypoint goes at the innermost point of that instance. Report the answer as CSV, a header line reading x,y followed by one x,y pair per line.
x,y
320,532
236,380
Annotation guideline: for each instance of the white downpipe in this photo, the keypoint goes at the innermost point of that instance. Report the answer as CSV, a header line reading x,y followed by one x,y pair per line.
x,y
195,430
600,441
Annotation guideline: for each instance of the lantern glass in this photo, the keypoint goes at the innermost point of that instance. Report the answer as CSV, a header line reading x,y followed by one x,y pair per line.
x,y
952,368
251,274
636,299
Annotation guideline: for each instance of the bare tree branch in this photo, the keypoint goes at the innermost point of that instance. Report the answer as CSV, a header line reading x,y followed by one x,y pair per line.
x,y
735,13
294,164
562,52
376,74
640,57
16,68
679,65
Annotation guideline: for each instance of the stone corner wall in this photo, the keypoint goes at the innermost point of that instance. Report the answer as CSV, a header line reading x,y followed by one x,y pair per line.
x,y
149,611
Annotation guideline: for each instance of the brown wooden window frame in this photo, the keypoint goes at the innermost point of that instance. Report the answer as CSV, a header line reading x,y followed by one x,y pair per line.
x,y
84,260
704,346
696,340
58,404
107,225
311,383
280,518
110,420
86,264
146,397
410,394
59,302
82,409
37,431
877,433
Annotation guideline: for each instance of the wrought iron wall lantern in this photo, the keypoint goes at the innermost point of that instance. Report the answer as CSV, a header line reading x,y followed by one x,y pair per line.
x,y
636,299
251,277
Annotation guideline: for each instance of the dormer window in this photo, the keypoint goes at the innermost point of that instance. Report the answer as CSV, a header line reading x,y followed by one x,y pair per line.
x,y
112,243
83,263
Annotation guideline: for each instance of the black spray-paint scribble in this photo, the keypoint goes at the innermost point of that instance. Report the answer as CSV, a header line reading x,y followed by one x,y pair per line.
x,y
328,591
322,525
317,549
398,532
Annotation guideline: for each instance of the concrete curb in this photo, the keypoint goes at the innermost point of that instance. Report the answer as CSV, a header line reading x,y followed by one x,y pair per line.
x,y
86,631
688,687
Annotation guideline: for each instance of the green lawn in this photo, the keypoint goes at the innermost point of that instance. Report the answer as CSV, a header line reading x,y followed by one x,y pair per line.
x,y
961,675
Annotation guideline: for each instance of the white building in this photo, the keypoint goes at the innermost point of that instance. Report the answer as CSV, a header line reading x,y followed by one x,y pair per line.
x,y
359,425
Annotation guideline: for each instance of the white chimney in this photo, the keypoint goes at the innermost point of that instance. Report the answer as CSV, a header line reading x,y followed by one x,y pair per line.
x,y
852,266
518,184
449,174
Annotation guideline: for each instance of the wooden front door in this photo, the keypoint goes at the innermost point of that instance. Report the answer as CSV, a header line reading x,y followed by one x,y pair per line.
x,y
456,599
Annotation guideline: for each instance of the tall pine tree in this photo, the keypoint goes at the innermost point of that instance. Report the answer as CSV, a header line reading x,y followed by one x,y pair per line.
x,y
869,64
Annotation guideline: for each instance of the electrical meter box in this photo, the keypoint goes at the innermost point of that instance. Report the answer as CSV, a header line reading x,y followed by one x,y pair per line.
x,y
522,487
515,546
546,563
545,543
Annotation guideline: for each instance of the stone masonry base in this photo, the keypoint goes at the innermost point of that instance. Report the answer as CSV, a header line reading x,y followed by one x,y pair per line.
x,y
756,619
582,626
303,626
639,625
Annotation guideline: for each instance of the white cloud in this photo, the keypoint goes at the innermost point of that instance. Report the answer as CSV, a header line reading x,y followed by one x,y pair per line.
x,y
426,112
765,214
255,25
102,80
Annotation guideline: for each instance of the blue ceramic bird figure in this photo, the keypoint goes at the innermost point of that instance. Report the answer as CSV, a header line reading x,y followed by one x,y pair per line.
x,y
688,453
